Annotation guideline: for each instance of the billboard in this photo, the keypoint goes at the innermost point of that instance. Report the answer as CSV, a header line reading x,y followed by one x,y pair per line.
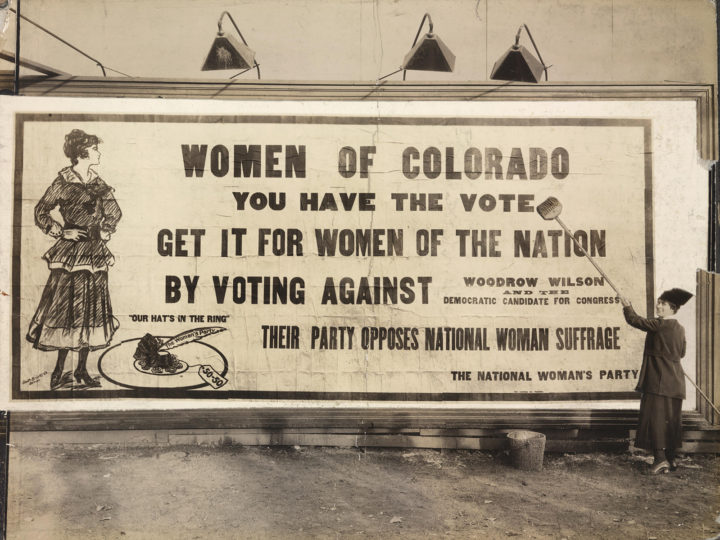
x,y
378,256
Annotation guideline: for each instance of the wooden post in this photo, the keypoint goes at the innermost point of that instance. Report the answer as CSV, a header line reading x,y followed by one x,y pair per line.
x,y
4,464
708,329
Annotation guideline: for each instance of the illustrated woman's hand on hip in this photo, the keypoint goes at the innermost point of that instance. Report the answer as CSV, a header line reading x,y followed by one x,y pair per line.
x,y
74,234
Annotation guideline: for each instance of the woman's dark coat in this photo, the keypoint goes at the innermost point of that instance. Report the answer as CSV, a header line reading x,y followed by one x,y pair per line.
x,y
661,372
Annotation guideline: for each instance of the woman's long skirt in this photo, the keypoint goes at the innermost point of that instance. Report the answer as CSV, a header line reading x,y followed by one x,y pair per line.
x,y
74,312
660,423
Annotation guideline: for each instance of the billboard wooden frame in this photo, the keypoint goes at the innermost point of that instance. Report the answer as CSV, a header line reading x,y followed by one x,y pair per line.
x,y
361,418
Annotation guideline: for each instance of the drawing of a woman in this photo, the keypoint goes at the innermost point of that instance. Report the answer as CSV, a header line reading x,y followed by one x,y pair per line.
x,y
74,313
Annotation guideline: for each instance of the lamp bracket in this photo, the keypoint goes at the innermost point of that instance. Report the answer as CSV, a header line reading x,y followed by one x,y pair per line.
x,y
220,33
430,31
517,41
220,30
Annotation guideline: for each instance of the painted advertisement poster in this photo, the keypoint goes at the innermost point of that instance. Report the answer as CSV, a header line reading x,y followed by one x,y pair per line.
x,y
329,257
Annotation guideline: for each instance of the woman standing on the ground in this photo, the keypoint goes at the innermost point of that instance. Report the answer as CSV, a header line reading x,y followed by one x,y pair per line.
x,y
74,313
661,379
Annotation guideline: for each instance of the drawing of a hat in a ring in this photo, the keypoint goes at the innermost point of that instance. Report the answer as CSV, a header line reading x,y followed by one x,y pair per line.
x,y
74,313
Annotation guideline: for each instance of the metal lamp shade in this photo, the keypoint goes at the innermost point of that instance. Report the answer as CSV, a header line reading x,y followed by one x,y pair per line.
x,y
429,54
517,64
228,53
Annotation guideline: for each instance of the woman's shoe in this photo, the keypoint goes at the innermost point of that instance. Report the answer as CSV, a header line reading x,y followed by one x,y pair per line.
x,y
660,468
673,464
86,379
55,379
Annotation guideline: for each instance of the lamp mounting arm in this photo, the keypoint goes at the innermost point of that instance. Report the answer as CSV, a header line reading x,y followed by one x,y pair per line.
x,y
517,41
220,31
430,23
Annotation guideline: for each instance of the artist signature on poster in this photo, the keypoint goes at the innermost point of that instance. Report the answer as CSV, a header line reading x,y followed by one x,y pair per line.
x,y
36,379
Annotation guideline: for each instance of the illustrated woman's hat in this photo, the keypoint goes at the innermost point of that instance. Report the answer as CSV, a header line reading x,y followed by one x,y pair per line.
x,y
679,297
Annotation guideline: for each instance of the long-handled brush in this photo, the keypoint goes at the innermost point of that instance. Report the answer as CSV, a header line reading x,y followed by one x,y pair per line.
x,y
702,394
550,209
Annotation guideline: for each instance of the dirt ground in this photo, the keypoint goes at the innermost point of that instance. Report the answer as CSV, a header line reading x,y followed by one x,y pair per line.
x,y
199,492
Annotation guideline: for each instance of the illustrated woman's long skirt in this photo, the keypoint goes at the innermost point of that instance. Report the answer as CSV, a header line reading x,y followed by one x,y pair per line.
x,y
74,312
660,423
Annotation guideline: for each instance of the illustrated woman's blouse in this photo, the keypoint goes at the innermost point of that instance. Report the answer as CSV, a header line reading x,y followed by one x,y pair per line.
x,y
88,206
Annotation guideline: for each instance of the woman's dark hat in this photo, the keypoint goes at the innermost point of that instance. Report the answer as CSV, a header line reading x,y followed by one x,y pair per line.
x,y
679,297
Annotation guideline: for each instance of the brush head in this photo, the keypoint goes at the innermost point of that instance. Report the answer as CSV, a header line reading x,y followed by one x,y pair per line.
x,y
550,208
